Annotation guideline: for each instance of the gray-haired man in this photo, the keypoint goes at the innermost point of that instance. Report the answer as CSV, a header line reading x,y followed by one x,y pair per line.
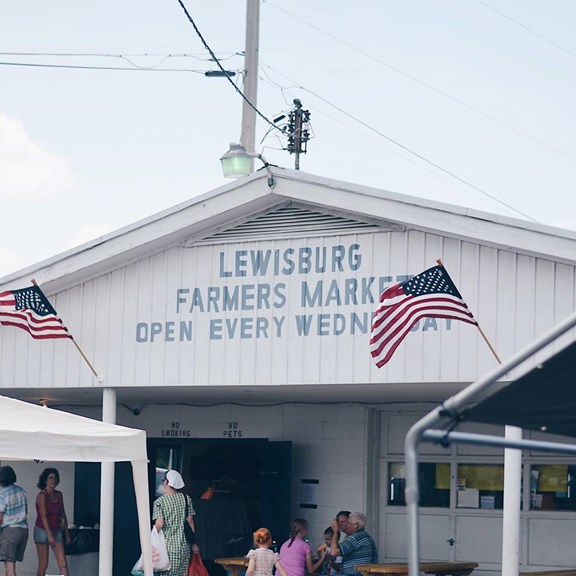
x,y
358,548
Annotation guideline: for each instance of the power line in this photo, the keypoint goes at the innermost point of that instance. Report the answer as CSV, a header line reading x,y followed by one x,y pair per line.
x,y
122,68
365,136
127,57
426,85
131,55
530,30
224,71
409,150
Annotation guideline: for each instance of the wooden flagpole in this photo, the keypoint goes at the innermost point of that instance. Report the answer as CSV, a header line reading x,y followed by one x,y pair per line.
x,y
440,263
73,340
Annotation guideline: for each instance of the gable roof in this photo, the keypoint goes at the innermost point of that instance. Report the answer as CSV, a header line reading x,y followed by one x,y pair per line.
x,y
244,206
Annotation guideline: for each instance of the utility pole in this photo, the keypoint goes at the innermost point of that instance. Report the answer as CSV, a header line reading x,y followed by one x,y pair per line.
x,y
248,133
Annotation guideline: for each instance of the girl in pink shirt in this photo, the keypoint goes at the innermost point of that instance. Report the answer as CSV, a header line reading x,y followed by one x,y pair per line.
x,y
296,553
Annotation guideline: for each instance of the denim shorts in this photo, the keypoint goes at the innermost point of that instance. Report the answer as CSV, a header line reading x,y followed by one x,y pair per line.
x,y
41,536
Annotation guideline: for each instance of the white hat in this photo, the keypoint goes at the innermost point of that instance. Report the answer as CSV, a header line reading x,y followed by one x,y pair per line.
x,y
174,479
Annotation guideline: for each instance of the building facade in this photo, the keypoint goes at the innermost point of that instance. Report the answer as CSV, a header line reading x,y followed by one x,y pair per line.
x,y
234,329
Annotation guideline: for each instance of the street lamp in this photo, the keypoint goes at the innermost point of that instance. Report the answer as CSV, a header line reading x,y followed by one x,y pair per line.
x,y
236,163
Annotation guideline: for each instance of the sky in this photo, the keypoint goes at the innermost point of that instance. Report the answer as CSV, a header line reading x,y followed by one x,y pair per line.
x,y
469,102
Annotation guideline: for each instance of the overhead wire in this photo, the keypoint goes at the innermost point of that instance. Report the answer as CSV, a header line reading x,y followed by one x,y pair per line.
x,y
131,55
426,84
205,44
127,57
389,149
81,67
527,29
266,78
409,150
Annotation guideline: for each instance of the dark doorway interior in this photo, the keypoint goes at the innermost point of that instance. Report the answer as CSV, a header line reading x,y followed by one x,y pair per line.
x,y
250,481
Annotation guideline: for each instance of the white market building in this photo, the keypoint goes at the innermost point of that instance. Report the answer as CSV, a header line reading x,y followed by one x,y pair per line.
x,y
234,329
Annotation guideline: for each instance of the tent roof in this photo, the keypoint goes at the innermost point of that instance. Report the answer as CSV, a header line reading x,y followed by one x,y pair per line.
x,y
543,399
29,432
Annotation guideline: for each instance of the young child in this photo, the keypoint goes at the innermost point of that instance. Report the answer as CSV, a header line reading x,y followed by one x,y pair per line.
x,y
263,560
330,566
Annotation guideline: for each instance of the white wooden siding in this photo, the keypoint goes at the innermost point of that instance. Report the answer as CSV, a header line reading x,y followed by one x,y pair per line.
x,y
514,297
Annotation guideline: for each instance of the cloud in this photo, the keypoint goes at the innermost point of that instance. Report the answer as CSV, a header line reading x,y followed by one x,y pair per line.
x,y
29,172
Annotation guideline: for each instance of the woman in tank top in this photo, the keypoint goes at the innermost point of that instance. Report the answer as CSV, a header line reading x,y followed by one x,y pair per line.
x,y
51,528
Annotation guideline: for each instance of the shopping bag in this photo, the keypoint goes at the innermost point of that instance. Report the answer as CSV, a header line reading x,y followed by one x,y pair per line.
x,y
196,566
160,560
137,570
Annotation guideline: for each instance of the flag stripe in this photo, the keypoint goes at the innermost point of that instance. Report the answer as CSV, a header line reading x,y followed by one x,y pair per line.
x,y
28,309
386,317
389,332
431,294
384,312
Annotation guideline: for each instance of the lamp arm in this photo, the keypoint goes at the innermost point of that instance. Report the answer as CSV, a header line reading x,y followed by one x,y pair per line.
x,y
271,179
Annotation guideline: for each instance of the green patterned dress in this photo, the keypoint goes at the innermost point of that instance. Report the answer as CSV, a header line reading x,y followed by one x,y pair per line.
x,y
172,509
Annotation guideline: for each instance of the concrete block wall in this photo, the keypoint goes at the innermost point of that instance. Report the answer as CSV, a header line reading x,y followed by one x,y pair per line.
x,y
328,445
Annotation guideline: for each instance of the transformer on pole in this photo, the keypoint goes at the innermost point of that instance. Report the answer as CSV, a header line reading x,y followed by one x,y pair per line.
x,y
298,131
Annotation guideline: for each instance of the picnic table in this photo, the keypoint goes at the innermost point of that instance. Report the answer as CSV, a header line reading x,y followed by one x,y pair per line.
x,y
555,572
234,565
436,568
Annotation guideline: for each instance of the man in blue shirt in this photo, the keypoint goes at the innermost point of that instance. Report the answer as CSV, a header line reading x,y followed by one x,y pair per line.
x,y
13,520
357,548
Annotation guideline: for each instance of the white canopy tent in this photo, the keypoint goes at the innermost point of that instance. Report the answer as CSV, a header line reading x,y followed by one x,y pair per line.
x,y
29,432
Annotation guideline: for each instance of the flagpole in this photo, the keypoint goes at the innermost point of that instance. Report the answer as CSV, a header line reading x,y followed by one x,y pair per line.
x,y
74,341
512,482
440,263
85,358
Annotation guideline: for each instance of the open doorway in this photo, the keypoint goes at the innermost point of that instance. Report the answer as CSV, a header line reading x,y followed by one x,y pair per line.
x,y
237,486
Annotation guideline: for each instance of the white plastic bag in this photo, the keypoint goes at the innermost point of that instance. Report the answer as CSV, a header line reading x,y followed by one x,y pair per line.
x,y
160,560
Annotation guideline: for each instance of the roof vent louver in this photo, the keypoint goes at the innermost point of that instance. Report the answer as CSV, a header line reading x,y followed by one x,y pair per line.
x,y
292,221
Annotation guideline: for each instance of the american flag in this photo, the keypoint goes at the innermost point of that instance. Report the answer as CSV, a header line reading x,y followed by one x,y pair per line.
x,y
30,310
429,294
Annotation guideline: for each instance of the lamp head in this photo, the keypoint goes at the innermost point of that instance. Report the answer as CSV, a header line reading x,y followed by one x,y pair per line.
x,y
235,162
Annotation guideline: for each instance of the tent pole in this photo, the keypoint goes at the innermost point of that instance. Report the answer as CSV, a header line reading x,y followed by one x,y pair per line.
x,y
140,476
105,558
448,438
411,491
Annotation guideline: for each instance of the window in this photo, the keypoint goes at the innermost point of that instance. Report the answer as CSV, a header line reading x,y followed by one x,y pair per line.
x,y
553,487
433,484
480,486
